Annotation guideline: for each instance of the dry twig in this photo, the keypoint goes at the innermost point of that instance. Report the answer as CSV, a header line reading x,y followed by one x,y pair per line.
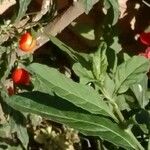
x,y
60,23
5,5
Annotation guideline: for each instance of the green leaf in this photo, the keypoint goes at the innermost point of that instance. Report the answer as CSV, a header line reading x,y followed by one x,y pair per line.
x,y
84,74
100,62
80,95
149,143
64,112
122,103
22,134
39,85
88,4
143,117
126,56
14,147
115,9
83,58
5,130
144,128
108,87
17,125
84,30
116,46
140,91
130,72
107,4
65,48
23,6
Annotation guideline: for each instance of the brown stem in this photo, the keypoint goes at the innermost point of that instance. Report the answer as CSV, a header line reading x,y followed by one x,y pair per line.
x,y
60,23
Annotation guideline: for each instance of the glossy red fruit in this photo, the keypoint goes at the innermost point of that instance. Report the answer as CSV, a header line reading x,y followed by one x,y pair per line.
x,y
145,38
27,43
21,76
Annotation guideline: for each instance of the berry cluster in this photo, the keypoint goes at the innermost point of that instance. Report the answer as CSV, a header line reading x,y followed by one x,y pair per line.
x,y
19,75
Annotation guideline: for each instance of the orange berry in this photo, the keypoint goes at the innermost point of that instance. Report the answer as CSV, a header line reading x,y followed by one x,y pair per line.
x,y
27,42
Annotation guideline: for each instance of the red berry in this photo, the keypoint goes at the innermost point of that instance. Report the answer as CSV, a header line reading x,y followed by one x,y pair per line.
x,y
21,76
27,42
145,38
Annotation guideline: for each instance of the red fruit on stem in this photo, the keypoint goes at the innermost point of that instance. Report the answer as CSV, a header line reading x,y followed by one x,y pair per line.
x,y
27,43
21,76
145,38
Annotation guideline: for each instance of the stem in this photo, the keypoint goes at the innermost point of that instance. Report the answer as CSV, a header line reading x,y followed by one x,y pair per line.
x,y
120,117
118,112
146,3
99,144
122,120
128,130
148,147
140,147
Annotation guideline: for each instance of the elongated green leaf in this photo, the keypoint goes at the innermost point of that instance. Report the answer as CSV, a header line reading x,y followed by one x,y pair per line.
x,y
140,90
84,74
23,6
100,62
130,72
83,58
22,135
64,112
116,46
115,9
78,94
122,103
108,87
17,124
88,5
65,48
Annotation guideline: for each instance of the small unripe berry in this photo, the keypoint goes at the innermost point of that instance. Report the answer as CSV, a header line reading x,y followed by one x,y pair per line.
x,y
21,76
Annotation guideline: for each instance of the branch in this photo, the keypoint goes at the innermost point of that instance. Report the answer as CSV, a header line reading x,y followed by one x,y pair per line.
x,y
60,23
6,4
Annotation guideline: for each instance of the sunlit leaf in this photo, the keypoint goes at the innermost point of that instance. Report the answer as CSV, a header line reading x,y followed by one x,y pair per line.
x,y
23,6
130,72
61,111
80,95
